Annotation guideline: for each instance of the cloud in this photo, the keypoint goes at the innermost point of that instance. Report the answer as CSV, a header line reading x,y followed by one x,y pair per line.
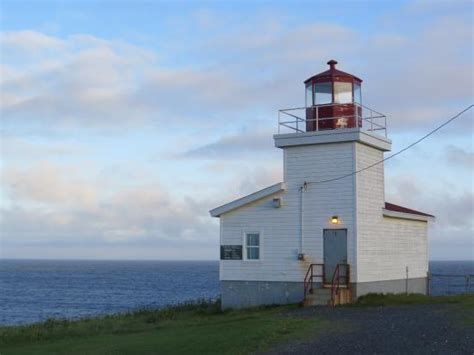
x,y
239,145
43,183
458,157
30,42
90,82
107,84
255,179
18,148
48,206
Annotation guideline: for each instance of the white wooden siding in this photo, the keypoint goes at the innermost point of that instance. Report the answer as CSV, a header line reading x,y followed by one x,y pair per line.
x,y
385,246
281,226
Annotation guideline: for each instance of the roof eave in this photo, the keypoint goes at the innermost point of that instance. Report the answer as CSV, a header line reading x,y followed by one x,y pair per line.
x,y
410,216
271,190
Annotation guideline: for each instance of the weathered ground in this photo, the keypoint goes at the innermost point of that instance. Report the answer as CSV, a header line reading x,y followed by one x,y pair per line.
x,y
409,329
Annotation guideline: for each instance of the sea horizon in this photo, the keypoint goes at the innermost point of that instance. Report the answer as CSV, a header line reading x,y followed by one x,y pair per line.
x,y
37,289
190,260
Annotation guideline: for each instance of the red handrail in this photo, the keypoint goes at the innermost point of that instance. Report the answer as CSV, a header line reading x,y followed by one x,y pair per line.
x,y
310,275
335,284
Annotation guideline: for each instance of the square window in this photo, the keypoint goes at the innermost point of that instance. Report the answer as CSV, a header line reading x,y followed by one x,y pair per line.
x,y
252,246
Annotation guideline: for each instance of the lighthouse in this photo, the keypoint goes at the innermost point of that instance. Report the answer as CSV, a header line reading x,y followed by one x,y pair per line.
x,y
325,234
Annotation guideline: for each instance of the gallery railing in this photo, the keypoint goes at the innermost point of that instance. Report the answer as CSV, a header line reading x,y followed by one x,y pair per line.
x,y
295,120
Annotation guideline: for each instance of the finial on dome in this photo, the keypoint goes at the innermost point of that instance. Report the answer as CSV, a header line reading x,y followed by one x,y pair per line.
x,y
332,64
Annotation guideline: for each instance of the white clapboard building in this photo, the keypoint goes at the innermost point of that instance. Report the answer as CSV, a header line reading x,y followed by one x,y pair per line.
x,y
325,234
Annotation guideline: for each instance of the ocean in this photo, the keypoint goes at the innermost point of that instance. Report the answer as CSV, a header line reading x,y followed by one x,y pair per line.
x,y
35,290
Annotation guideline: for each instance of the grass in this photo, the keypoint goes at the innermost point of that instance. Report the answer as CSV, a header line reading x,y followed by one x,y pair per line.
x,y
189,328
197,328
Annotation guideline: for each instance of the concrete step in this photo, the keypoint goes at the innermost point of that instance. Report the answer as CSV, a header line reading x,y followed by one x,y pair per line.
x,y
319,297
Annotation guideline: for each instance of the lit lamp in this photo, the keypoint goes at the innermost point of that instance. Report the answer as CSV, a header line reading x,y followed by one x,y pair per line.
x,y
335,219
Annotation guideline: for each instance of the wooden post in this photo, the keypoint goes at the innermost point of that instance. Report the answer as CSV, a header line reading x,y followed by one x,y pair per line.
x,y
406,282
428,286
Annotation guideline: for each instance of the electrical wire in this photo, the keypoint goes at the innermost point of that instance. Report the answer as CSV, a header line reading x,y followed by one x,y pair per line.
x,y
394,154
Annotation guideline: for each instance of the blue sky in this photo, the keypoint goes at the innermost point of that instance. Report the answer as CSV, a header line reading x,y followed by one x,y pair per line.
x,y
123,123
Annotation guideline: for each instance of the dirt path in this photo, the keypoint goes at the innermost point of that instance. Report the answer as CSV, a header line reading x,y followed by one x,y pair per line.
x,y
420,329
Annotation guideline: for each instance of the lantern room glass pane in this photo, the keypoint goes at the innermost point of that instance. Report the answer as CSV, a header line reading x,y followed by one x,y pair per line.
x,y
357,93
322,93
309,95
342,93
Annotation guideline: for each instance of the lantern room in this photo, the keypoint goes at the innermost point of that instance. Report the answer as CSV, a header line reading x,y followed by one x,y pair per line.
x,y
333,100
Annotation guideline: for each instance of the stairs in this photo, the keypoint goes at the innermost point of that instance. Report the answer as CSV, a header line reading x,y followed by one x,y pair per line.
x,y
319,294
322,297
319,297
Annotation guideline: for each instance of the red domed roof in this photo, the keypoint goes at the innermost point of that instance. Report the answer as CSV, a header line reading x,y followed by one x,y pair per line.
x,y
332,74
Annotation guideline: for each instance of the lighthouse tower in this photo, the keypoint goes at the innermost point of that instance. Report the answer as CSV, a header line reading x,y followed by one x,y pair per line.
x,y
326,233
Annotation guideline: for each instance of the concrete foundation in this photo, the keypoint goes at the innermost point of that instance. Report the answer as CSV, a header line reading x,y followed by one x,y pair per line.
x,y
416,285
243,294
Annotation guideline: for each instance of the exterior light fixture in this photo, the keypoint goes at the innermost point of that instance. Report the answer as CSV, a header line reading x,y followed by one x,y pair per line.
x,y
335,219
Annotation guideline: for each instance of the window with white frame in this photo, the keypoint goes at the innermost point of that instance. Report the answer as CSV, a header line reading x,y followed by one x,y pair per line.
x,y
252,245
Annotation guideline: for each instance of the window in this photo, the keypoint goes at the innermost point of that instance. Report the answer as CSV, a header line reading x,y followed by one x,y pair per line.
x,y
322,93
357,93
252,246
309,95
342,93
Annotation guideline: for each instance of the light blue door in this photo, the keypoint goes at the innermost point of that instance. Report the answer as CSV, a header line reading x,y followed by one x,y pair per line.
x,y
335,252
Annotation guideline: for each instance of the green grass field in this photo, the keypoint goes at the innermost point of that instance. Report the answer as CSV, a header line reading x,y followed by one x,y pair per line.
x,y
194,328
185,329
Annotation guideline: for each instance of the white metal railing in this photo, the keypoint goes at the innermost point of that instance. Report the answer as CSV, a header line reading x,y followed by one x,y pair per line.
x,y
291,120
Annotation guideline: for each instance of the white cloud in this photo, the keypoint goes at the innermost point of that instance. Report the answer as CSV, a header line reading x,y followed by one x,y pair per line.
x,y
49,205
31,42
43,183
93,82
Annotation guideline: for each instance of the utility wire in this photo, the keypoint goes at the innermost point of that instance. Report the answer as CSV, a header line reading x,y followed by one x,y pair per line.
x,y
394,154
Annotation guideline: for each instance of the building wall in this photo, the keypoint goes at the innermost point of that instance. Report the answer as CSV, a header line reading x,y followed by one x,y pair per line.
x,y
386,246
280,227
378,251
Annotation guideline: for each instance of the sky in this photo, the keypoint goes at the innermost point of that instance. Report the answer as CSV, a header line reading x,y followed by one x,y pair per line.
x,y
124,122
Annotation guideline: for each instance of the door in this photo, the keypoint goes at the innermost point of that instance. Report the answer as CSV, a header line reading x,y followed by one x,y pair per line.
x,y
335,252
